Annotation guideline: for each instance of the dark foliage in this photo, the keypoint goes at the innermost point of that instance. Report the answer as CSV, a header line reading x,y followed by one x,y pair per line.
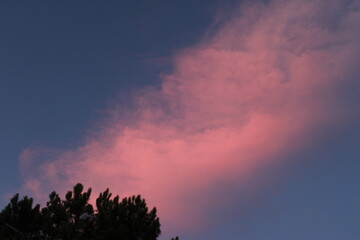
x,y
75,218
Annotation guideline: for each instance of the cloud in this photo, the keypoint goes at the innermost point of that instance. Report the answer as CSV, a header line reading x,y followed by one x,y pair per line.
x,y
246,95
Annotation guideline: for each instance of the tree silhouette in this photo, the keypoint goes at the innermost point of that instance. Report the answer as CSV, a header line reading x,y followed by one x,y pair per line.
x,y
128,219
55,217
20,218
74,218
63,217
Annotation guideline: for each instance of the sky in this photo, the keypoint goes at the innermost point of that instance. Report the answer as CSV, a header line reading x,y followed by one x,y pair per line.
x,y
236,119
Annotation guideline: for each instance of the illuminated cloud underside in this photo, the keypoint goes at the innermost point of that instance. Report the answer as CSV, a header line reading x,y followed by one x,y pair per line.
x,y
251,92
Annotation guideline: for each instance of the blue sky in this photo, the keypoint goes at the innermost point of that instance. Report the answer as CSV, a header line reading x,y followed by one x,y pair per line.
x,y
65,65
62,62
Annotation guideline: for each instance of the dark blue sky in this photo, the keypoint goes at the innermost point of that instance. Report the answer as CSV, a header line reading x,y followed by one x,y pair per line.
x,y
63,62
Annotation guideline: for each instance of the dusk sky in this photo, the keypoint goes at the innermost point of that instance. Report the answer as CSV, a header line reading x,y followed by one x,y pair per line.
x,y
236,119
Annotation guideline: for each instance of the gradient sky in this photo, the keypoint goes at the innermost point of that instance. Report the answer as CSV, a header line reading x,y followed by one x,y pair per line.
x,y
237,119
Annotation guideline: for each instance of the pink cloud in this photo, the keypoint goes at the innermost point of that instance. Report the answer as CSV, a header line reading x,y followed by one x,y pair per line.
x,y
251,92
